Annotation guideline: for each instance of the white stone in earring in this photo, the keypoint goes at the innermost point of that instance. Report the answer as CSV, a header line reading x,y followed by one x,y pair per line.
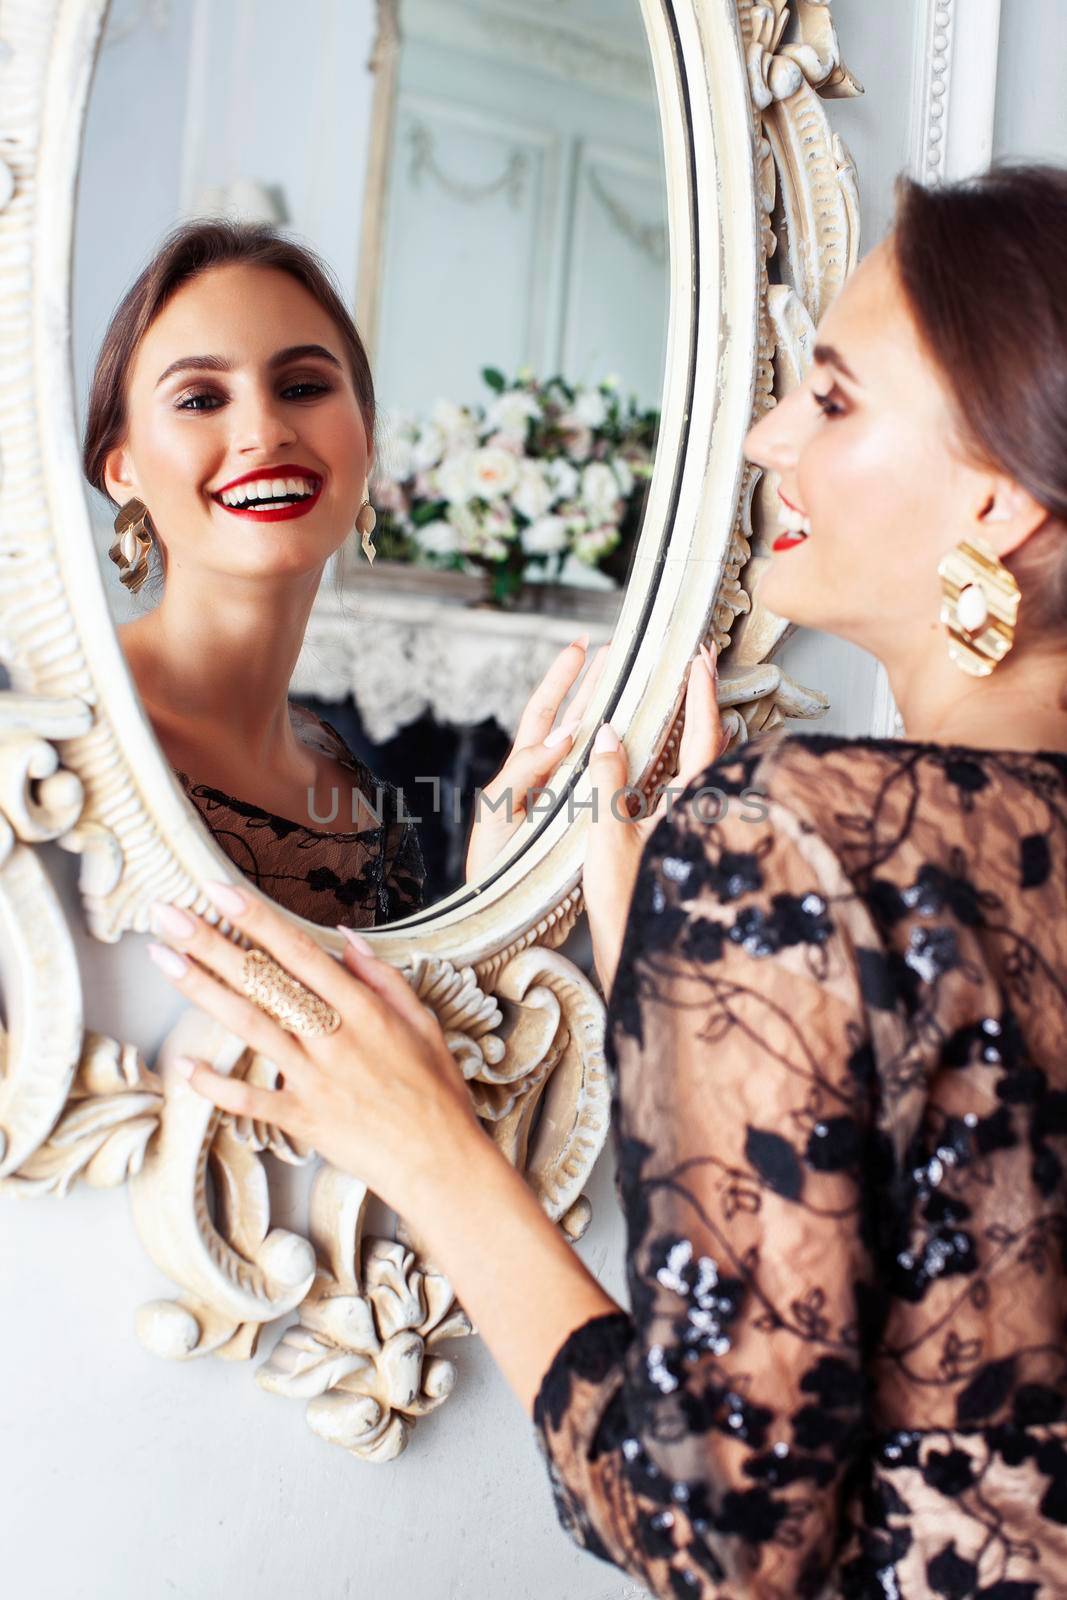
x,y
972,611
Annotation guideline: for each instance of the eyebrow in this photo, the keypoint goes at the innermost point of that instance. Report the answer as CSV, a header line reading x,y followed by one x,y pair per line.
x,y
280,358
827,356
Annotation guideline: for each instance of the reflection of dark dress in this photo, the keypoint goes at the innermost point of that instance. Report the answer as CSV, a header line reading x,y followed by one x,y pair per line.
x,y
358,879
838,1040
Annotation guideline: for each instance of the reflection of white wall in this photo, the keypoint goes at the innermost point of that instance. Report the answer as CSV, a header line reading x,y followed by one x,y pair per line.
x,y
526,214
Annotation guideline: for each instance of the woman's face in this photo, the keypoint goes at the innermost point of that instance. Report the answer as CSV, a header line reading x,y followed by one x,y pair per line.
x,y
246,440
867,456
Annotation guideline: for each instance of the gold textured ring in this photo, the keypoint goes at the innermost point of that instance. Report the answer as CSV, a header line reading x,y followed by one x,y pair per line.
x,y
282,997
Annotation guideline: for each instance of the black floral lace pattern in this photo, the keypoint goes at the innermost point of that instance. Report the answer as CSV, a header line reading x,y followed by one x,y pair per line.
x,y
837,1044
358,879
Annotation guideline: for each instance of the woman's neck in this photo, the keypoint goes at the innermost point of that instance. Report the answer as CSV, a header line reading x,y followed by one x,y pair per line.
x,y
1021,705
214,659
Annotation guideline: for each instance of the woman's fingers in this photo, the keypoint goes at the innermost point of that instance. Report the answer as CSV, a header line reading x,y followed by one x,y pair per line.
x,y
543,705
237,1013
702,734
290,946
388,983
274,1106
612,853
575,709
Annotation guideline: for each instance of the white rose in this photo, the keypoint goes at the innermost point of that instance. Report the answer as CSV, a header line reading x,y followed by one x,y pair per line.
x,y
437,538
600,489
579,438
468,528
575,519
499,522
453,477
545,537
596,543
562,477
534,495
493,473
591,408
429,447
622,470
511,413
456,424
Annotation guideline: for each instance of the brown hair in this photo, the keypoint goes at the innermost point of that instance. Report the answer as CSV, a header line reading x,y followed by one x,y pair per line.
x,y
186,252
981,263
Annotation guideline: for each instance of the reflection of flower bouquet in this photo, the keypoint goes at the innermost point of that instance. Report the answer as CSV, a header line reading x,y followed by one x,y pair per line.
x,y
544,475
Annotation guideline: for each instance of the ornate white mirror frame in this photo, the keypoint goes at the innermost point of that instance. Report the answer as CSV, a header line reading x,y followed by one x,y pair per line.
x,y
758,187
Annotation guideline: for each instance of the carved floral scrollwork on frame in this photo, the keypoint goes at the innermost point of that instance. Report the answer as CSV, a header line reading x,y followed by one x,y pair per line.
x,y
369,1316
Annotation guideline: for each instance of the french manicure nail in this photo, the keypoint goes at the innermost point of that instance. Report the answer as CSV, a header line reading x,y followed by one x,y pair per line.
x,y
558,735
607,740
226,898
582,641
171,919
168,960
184,1066
357,941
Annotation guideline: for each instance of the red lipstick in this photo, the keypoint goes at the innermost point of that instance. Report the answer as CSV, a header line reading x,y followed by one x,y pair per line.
x,y
786,541
283,469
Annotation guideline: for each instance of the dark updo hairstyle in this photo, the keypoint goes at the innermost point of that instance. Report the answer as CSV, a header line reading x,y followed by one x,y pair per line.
x,y
189,250
982,266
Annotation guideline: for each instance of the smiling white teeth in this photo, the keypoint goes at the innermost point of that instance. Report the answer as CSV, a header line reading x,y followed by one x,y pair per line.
x,y
266,491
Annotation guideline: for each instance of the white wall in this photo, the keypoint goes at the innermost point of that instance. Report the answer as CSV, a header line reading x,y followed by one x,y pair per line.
x,y
1031,117
126,1477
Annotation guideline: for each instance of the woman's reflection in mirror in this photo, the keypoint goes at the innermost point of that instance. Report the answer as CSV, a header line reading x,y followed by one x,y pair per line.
x,y
232,415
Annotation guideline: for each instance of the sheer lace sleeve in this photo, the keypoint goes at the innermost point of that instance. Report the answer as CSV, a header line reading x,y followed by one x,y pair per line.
x,y
704,1442
404,872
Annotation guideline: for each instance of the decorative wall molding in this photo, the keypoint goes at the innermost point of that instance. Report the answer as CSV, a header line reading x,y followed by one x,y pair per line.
x,y
955,78
79,764
553,44
650,238
424,162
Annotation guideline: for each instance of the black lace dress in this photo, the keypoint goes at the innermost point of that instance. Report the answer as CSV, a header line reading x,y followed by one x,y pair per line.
x,y
361,878
838,1037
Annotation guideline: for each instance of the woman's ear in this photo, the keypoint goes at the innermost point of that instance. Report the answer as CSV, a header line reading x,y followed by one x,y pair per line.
x,y
120,480
1008,515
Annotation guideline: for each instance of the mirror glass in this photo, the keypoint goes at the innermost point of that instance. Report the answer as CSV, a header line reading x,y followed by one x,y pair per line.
x,y
490,203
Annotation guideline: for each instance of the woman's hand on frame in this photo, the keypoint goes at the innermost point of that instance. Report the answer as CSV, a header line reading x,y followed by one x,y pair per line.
x,y
616,837
503,806
381,1097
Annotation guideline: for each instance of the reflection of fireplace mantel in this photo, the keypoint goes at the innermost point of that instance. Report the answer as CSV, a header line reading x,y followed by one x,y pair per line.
x,y
402,641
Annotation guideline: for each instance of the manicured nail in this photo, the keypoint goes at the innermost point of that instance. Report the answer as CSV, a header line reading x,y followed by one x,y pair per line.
x,y
357,941
711,658
607,740
582,641
227,898
184,1066
168,960
557,736
171,919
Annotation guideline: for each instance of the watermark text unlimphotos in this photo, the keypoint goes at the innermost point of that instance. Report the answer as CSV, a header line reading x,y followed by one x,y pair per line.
x,y
628,804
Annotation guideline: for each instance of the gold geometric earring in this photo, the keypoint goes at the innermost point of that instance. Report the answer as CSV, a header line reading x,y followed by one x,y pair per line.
x,y
132,542
979,606
366,522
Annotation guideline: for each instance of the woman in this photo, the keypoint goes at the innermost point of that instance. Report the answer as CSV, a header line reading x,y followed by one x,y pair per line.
x,y
231,421
836,1027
